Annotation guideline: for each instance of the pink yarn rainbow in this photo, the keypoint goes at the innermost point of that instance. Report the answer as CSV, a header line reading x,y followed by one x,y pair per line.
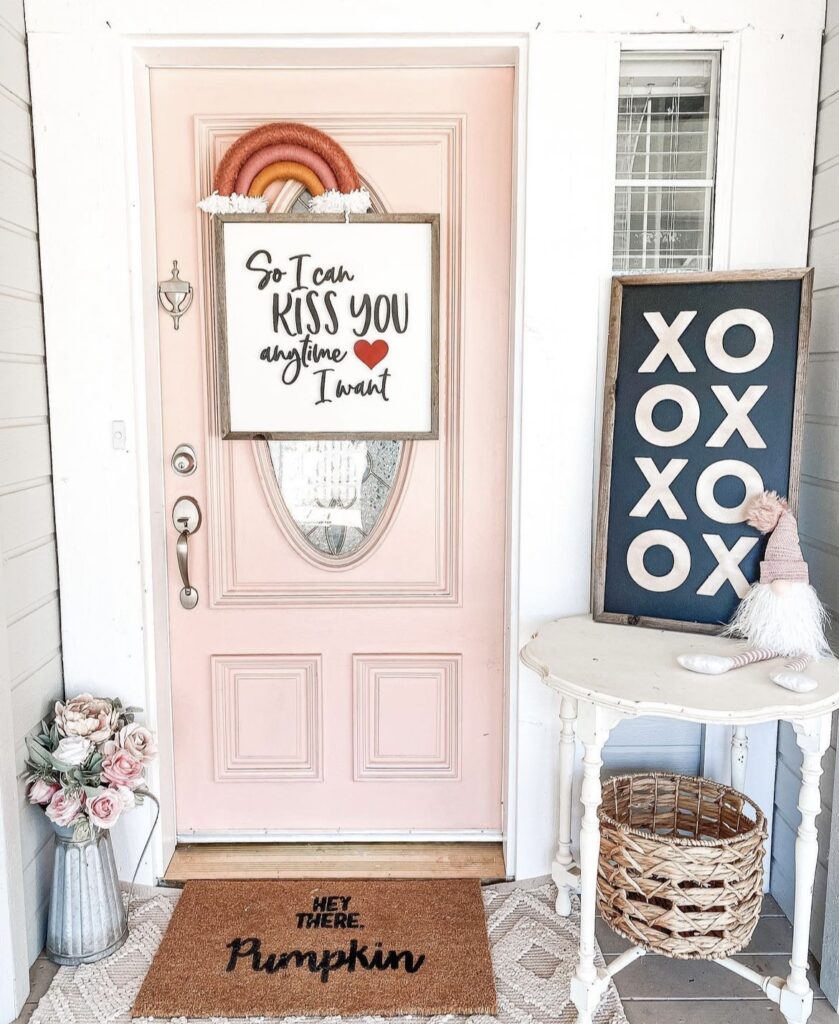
x,y
272,154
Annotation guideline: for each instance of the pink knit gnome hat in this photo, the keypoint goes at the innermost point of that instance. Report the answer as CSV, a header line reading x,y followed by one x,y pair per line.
x,y
782,559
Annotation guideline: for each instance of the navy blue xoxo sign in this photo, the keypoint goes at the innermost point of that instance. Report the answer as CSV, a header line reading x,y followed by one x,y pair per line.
x,y
702,411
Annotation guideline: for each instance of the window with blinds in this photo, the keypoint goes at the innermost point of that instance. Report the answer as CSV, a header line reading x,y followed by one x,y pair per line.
x,y
666,161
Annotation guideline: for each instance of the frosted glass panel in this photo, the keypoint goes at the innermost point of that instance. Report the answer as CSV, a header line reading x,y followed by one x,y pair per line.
x,y
335,491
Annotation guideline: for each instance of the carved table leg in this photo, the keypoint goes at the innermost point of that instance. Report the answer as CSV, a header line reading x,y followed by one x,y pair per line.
x,y
565,872
593,725
813,737
739,757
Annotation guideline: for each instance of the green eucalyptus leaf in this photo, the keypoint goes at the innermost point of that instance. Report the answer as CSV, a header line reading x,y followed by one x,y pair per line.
x,y
38,755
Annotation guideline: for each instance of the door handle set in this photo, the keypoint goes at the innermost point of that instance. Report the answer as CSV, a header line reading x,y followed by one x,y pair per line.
x,y
186,515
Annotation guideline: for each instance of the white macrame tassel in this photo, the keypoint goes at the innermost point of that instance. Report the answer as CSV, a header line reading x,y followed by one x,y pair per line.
x,y
333,201
215,204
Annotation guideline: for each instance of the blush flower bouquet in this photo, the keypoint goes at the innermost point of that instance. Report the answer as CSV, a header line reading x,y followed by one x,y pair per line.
x,y
87,765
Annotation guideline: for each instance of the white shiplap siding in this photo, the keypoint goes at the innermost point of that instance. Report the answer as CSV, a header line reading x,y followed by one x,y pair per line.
x,y
28,574
819,503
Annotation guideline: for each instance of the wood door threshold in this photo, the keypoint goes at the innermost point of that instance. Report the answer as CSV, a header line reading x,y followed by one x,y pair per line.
x,y
335,860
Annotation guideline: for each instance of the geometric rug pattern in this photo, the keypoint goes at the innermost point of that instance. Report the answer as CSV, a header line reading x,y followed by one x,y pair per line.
x,y
534,955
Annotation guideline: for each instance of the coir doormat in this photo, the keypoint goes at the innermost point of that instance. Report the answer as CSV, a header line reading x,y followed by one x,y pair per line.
x,y
350,948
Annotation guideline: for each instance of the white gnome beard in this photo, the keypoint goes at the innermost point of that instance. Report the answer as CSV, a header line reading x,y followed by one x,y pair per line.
x,y
792,623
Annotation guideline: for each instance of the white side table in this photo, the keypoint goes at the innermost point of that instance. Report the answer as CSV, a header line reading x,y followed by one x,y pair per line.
x,y
606,673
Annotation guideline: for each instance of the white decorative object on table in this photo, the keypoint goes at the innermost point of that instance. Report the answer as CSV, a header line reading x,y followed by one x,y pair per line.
x,y
605,673
781,615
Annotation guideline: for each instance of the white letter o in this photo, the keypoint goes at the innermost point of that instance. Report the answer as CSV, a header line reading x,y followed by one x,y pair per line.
x,y
658,538
764,339
708,479
663,393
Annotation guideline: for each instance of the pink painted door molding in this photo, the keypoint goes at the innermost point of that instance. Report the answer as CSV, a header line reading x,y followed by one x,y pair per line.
x,y
358,693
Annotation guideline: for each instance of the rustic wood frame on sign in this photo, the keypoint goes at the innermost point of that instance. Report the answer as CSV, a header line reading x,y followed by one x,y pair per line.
x,y
803,274
220,307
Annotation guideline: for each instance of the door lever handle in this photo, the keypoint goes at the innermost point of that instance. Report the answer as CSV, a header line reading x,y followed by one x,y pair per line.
x,y
186,515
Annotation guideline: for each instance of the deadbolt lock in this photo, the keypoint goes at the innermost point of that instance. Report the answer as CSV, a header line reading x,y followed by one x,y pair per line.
x,y
184,460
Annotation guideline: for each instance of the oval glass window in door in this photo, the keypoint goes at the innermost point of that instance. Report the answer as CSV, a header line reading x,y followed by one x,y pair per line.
x,y
335,492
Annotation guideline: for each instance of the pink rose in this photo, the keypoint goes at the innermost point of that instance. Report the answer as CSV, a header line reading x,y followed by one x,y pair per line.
x,y
121,769
135,740
105,808
92,717
65,807
41,791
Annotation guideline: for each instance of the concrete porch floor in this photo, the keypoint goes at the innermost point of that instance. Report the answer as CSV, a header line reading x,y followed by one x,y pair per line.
x,y
655,990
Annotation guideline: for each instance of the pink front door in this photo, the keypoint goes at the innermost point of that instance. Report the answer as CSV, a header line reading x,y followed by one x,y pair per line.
x,y
343,669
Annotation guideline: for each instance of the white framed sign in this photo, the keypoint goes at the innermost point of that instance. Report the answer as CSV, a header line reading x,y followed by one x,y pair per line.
x,y
327,328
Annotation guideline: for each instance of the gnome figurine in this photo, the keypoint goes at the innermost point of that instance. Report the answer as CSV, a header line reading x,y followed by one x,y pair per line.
x,y
781,615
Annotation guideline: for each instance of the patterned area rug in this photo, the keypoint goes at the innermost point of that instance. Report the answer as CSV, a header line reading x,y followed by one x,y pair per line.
x,y
533,953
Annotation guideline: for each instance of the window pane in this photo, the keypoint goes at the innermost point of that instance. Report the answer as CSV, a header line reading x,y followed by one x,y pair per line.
x,y
666,154
661,228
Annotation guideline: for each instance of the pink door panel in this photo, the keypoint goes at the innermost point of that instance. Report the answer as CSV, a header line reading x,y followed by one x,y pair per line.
x,y
343,670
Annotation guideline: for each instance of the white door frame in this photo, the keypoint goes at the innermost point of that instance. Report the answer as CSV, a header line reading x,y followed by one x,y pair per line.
x,y
109,510
145,438
477,52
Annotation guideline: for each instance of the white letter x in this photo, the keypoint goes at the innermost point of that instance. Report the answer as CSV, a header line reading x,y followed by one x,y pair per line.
x,y
737,416
668,342
659,489
729,565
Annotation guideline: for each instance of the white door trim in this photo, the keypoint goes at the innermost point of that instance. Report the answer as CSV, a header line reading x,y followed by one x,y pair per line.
x,y
143,533
420,53
14,960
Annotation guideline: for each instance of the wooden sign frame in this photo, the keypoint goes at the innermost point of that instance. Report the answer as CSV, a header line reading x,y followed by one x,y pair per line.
x,y
619,285
221,325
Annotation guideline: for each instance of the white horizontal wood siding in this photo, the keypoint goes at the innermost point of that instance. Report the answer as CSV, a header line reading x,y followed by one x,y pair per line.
x,y
819,501
31,672
654,744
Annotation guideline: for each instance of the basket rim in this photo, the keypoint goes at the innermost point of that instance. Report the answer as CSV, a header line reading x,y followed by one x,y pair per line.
x,y
642,833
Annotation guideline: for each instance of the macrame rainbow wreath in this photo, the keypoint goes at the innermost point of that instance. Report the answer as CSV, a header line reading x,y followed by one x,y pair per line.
x,y
286,151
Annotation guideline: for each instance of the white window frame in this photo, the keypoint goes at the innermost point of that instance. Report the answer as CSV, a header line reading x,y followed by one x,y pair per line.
x,y
728,47
715,55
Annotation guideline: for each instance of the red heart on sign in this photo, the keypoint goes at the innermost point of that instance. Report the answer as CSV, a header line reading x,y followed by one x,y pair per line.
x,y
371,352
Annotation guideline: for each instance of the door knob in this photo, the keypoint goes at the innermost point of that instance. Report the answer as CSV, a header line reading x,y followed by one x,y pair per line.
x,y
186,515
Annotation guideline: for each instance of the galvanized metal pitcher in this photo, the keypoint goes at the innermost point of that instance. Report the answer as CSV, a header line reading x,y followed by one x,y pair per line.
x,y
87,919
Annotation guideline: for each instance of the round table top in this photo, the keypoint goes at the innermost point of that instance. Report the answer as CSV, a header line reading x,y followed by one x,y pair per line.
x,y
634,670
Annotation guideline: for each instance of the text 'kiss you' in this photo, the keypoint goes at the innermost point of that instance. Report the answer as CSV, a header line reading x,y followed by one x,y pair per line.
x,y
322,321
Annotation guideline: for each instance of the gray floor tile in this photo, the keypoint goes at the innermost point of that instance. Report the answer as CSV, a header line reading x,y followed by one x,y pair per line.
x,y
657,977
772,935
41,974
770,907
721,1011
609,941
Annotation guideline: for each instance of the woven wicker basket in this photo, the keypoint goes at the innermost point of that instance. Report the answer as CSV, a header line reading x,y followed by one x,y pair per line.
x,y
681,864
